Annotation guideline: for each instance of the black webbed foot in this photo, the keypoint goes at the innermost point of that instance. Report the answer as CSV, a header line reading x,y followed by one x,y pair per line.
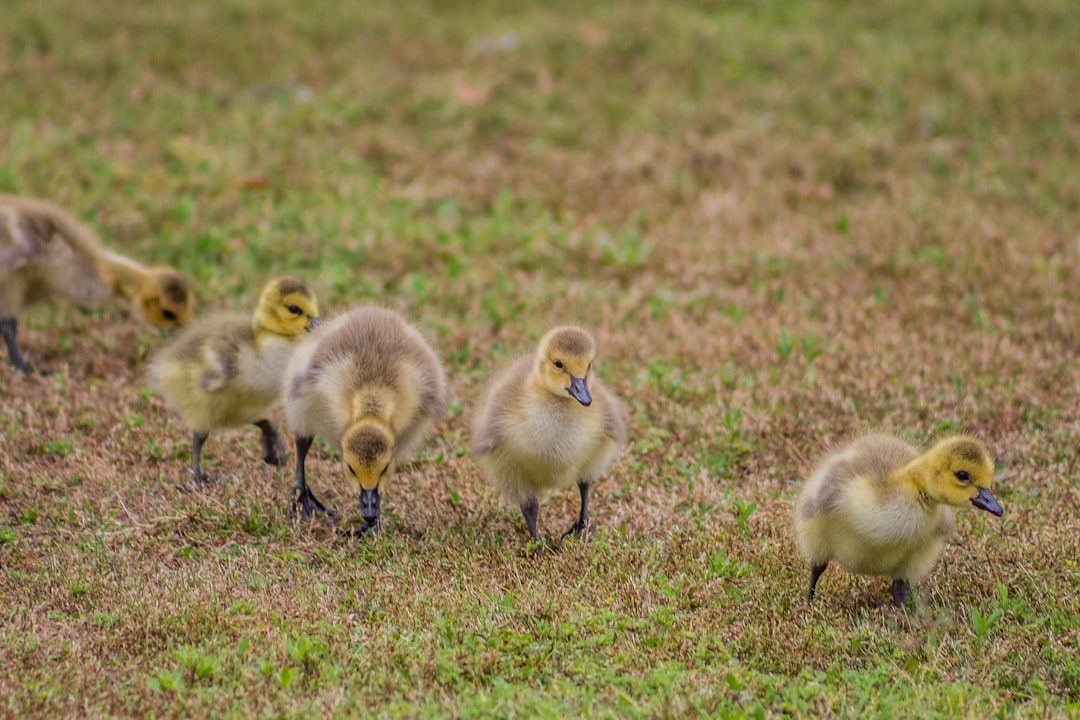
x,y
533,549
364,529
305,503
275,454
200,481
901,589
580,530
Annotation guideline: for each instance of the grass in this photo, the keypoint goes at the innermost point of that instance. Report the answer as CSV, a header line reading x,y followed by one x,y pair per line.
x,y
783,222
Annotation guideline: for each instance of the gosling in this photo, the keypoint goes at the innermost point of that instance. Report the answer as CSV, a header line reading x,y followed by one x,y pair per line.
x,y
45,254
226,370
880,506
370,386
547,423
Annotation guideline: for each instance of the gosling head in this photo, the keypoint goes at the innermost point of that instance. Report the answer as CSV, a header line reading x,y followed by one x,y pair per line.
x,y
367,449
961,472
564,363
164,299
287,307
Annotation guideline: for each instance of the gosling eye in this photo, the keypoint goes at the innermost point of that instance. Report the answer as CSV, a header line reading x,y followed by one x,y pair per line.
x,y
351,471
962,475
294,309
168,315
558,364
384,470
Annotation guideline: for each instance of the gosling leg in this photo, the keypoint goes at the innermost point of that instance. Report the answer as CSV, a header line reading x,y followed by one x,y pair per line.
x,y
301,494
273,448
529,510
579,528
8,327
815,573
900,591
198,476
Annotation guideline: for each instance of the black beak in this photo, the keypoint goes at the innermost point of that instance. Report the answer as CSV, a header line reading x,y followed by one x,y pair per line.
x,y
313,323
580,390
985,501
369,505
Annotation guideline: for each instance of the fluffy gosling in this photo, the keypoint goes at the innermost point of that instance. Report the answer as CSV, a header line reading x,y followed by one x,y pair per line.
x,y
878,505
226,370
370,386
45,254
546,423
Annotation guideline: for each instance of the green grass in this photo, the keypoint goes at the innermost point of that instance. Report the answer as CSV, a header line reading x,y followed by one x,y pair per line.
x,y
783,222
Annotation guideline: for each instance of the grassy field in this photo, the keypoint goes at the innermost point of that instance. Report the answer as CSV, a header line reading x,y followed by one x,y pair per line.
x,y
783,221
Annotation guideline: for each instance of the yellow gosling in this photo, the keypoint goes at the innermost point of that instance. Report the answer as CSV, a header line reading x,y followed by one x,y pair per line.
x,y
878,505
226,370
546,423
368,384
45,254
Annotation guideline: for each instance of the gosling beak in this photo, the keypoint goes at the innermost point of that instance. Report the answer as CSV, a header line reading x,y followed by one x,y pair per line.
x,y
985,501
580,390
313,323
369,505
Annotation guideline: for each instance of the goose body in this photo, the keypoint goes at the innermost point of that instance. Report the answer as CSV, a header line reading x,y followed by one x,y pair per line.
x,y
45,254
370,385
547,423
879,505
226,370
